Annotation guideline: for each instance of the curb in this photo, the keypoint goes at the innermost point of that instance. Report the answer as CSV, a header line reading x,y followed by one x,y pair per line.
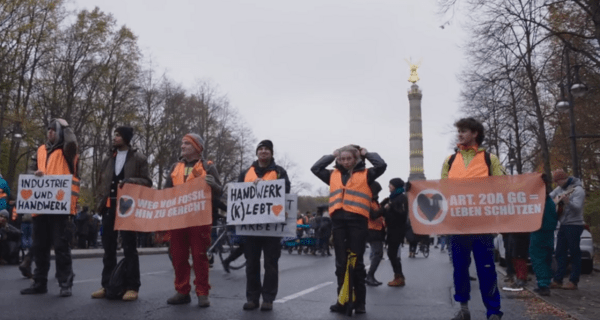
x,y
99,253
570,314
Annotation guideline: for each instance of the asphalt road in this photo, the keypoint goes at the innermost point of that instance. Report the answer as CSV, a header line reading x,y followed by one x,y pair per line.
x,y
306,289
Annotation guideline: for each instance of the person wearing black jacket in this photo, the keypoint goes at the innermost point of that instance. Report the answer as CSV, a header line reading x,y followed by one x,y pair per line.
x,y
323,230
395,212
264,168
123,165
349,205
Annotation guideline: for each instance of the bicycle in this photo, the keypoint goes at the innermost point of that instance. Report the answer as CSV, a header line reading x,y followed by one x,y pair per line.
x,y
423,248
226,242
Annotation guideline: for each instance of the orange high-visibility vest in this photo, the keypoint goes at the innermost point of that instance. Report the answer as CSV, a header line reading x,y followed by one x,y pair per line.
x,y
377,224
477,167
178,174
56,164
251,175
3,195
353,197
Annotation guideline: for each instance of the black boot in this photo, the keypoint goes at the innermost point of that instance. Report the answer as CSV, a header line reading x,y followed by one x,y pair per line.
x,y
370,281
226,263
25,267
36,288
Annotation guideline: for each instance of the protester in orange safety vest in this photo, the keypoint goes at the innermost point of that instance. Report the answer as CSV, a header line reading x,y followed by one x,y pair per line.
x,y
375,237
470,161
57,157
349,206
194,239
264,168
122,165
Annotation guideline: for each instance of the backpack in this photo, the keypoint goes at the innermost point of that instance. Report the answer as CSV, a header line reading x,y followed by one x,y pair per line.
x,y
115,290
488,162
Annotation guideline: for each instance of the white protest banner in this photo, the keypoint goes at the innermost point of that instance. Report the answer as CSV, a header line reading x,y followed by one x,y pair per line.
x,y
283,229
253,203
44,195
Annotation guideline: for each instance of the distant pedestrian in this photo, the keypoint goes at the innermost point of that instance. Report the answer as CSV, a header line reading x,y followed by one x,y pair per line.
x,y
83,227
323,231
569,197
519,251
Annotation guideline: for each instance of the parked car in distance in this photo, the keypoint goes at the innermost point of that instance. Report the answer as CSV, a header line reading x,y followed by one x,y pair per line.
x,y
586,245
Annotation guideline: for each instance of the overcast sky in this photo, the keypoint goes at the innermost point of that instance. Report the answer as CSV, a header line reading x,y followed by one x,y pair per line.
x,y
312,75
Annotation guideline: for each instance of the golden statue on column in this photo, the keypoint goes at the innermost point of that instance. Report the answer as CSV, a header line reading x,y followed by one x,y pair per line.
x,y
414,77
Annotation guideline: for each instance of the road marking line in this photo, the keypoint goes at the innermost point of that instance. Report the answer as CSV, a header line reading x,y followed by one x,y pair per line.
x,y
303,292
99,279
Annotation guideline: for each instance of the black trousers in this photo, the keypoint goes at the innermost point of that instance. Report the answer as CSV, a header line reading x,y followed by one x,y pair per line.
x,y
253,248
129,243
49,231
324,245
376,256
236,253
351,234
392,252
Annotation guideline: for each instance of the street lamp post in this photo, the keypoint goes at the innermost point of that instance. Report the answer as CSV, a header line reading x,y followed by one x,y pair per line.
x,y
573,87
511,155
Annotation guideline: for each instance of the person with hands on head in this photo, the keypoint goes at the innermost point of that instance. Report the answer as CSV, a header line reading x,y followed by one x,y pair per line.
x,y
195,239
58,156
264,168
122,165
349,206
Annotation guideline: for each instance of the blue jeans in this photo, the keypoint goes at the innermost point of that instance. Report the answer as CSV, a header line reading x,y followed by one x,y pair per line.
x,y
443,242
568,242
482,247
26,232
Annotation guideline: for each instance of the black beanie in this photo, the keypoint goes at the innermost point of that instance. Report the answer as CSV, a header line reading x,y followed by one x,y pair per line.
x,y
126,133
265,143
397,183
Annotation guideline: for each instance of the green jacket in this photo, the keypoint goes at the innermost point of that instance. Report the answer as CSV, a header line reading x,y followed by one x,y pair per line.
x,y
550,218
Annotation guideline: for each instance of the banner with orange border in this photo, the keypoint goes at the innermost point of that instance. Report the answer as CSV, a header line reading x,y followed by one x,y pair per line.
x,y
495,204
145,209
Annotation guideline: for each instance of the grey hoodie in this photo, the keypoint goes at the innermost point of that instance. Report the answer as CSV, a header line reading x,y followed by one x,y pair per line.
x,y
573,212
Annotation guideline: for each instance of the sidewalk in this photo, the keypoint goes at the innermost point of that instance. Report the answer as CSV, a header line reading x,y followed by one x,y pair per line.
x,y
581,304
99,253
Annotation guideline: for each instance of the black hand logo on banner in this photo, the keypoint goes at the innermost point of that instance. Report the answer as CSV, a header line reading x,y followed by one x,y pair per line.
x,y
125,205
430,207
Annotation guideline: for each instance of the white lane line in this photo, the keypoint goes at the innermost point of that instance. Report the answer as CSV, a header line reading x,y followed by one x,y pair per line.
x,y
303,292
99,279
